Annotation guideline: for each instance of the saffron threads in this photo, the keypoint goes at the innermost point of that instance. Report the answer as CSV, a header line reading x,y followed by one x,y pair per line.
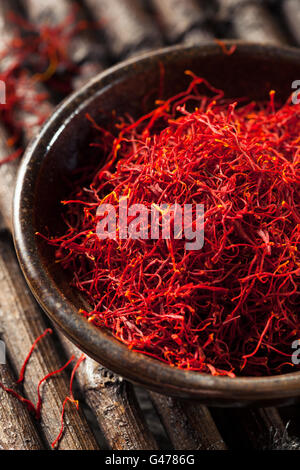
x,y
23,368
70,399
35,56
231,307
226,51
51,374
30,406
36,409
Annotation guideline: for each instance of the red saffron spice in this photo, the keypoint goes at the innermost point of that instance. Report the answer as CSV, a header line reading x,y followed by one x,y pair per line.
x,y
33,56
226,51
23,368
48,376
36,409
31,407
232,307
47,49
70,399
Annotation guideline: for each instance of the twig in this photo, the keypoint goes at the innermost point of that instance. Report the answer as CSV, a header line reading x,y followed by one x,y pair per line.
x,y
189,425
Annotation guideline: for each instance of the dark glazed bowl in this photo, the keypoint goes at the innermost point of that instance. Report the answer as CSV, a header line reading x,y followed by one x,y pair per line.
x,y
252,71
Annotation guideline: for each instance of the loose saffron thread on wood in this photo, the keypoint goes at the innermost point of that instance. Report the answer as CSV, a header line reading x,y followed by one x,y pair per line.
x,y
48,376
31,407
23,368
208,310
70,399
36,409
226,51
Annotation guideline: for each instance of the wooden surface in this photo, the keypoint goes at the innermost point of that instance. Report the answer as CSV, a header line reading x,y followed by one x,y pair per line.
x,y
127,28
17,430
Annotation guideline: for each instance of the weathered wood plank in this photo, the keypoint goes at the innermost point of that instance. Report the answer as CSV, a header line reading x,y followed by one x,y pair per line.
x,y
17,430
252,21
189,425
182,21
114,404
127,26
21,323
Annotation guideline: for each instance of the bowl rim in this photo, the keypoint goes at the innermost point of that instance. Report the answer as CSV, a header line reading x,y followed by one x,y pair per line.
x,y
99,345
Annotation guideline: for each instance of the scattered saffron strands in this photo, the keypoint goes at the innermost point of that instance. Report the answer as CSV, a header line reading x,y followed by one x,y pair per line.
x,y
51,374
23,368
36,409
70,399
30,406
226,51
44,51
232,307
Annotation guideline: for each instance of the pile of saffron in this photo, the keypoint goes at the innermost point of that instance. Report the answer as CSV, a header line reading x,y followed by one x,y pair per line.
x,y
232,307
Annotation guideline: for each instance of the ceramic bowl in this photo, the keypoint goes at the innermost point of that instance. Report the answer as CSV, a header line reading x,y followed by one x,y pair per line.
x,y
62,146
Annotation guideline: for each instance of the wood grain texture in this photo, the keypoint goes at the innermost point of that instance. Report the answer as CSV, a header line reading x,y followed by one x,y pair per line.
x,y
291,12
7,179
249,428
114,404
189,425
197,36
260,426
17,430
127,26
21,322
178,18
252,21
132,433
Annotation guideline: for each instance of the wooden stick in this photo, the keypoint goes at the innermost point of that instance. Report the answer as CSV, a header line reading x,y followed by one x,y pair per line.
x,y
21,323
291,12
17,431
114,404
182,18
189,425
127,26
252,21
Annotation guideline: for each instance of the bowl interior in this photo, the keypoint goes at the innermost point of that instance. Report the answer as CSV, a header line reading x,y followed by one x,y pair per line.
x,y
251,71
246,73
